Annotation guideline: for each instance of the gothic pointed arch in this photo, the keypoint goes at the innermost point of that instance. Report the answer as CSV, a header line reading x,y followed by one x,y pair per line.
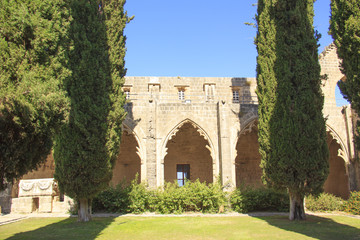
x,y
247,159
130,160
188,151
175,130
337,182
343,151
140,150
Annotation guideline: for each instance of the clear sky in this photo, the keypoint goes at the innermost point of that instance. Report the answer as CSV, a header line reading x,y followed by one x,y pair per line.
x,y
199,38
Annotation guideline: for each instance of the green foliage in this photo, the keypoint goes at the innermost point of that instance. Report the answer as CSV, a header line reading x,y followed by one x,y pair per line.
x,y
345,30
324,202
136,198
245,200
32,104
352,205
113,199
292,133
193,196
88,144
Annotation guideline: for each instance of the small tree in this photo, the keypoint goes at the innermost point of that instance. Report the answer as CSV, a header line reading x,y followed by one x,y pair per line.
x,y
89,143
32,105
292,134
345,30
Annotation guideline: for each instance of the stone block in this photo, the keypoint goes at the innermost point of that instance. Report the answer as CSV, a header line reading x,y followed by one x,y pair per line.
x,y
22,205
45,204
64,206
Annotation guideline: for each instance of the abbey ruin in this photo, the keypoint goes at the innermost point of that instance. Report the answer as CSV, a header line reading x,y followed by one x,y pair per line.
x,y
198,128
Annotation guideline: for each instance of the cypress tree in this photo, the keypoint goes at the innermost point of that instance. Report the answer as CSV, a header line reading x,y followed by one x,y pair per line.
x,y
345,30
88,144
292,134
32,105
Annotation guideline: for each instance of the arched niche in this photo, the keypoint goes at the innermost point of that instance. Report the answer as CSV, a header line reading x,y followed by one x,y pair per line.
x,y
129,161
337,182
188,143
247,161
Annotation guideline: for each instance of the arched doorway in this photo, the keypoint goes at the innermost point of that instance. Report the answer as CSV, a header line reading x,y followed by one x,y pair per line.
x,y
188,156
337,182
247,161
128,163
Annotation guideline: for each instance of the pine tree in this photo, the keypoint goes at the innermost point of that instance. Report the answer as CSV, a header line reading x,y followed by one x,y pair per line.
x,y
292,134
345,30
32,105
87,147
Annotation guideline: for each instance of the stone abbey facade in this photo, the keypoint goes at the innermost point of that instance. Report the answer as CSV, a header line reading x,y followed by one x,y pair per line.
x,y
199,128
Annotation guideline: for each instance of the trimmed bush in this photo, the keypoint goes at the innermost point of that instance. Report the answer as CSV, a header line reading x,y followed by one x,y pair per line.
x,y
193,196
136,198
352,205
114,199
248,199
324,202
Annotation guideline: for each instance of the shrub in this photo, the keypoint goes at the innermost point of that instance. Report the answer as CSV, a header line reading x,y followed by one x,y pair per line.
x,y
193,196
113,199
138,197
248,199
324,202
352,205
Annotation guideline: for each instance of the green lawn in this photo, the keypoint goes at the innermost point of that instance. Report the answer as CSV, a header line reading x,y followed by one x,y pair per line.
x,y
278,227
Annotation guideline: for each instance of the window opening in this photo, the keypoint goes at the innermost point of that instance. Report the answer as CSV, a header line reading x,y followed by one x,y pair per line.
x,y
181,94
209,91
182,173
236,96
127,94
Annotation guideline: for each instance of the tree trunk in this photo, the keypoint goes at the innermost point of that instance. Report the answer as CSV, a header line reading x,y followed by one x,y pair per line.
x,y
297,211
84,214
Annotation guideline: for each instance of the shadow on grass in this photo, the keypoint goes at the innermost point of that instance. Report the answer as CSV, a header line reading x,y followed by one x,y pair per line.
x,y
67,229
315,227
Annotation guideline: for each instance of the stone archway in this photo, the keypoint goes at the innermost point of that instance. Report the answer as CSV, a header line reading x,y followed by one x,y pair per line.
x,y
188,147
247,161
128,162
337,182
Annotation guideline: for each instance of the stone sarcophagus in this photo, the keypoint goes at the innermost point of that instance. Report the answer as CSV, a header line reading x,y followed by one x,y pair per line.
x,y
35,195
37,187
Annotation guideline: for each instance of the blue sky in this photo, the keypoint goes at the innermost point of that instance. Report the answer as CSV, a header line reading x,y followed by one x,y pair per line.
x,y
199,38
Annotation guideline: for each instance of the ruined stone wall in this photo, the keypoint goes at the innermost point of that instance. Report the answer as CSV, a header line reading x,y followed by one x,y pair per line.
x,y
214,131
45,170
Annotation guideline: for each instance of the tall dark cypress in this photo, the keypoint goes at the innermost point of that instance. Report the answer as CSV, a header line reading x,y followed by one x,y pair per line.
x,y
345,30
32,105
292,133
88,144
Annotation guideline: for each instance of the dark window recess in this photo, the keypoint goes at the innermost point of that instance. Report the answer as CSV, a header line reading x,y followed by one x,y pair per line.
x,y
182,173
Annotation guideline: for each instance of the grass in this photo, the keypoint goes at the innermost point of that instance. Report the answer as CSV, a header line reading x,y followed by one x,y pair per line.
x,y
126,227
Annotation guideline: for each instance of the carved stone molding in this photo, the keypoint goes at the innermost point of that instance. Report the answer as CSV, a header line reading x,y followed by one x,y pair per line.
x,y
36,187
173,133
342,152
140,151
249,127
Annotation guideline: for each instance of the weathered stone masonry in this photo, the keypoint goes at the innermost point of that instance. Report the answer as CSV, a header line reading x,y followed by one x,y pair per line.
x,y
209,124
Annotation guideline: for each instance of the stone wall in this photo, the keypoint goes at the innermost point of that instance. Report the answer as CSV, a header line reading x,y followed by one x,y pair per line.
x,y
210,123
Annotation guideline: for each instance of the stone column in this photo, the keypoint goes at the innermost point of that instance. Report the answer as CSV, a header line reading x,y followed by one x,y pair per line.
x,y
224,145
151,144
